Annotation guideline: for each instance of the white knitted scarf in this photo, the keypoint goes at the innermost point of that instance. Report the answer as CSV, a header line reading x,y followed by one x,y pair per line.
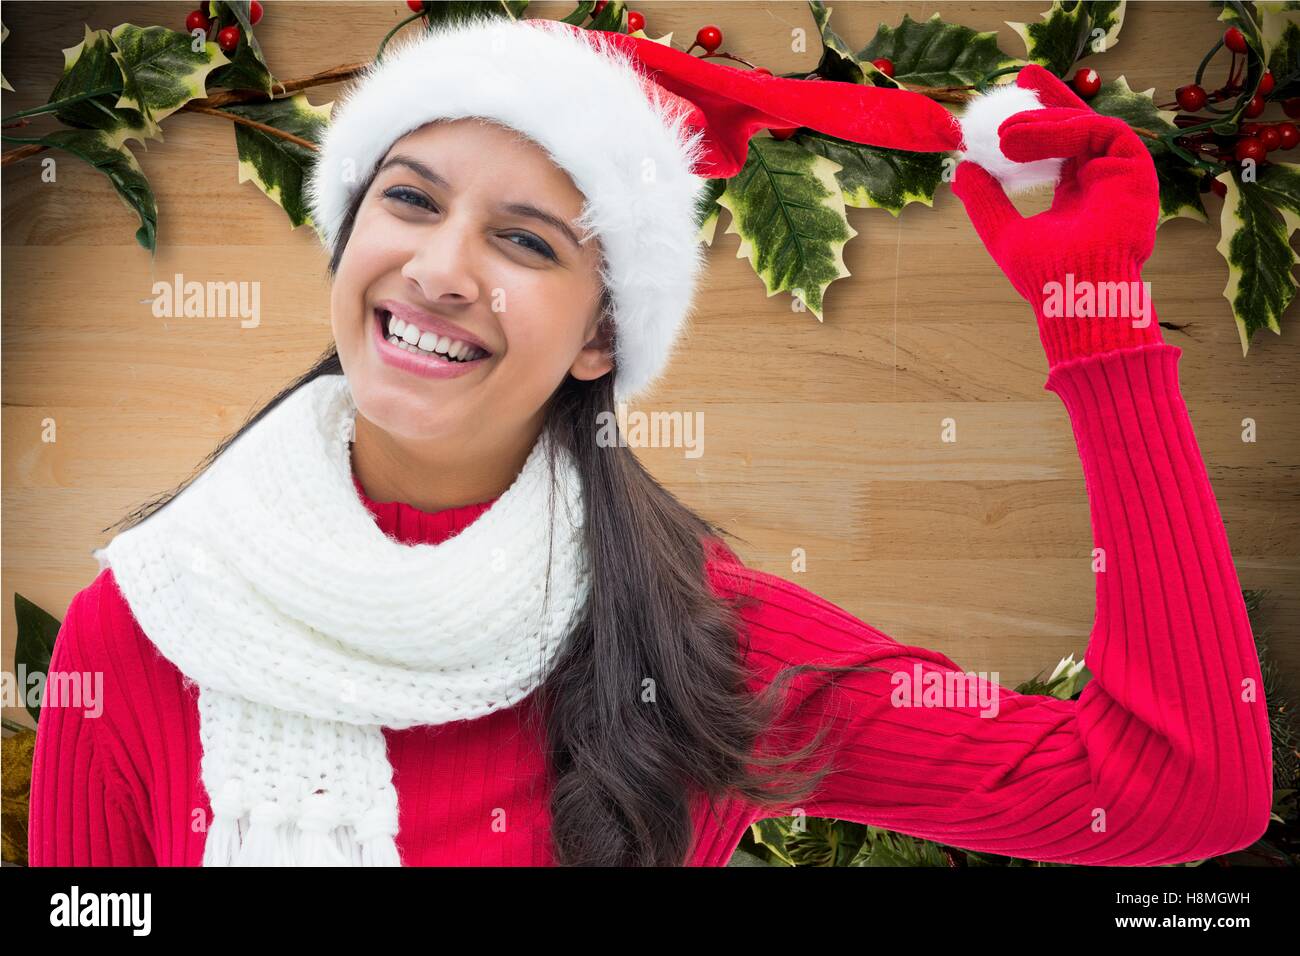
x,y
268,584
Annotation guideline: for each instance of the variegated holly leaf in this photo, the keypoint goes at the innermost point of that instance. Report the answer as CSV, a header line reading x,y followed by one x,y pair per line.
x,y
90,65
838,61
247,69
278,166
112,158
1279,28
37,628
707,210
872,177
161,70
1070,30
788,210
1180,188
1117,98
934,53
4,35
612,17
1257,222
580,13
1179,184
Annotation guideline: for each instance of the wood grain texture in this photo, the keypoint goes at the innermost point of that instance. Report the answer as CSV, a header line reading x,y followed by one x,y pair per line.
x,y
818,436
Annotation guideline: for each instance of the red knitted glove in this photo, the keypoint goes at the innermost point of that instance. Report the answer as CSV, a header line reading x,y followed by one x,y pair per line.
x,y
1079,263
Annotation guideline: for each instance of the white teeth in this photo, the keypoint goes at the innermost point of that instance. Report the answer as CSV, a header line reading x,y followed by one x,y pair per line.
x,y
412,339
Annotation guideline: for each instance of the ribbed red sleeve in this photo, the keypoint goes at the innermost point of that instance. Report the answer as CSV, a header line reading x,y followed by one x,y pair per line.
x,y
83,811
1164,758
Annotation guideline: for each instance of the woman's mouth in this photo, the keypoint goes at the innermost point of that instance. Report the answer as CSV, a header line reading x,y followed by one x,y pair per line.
x,y
423,353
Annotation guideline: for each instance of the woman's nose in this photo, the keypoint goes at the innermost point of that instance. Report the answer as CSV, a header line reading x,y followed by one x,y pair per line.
x,y
445,261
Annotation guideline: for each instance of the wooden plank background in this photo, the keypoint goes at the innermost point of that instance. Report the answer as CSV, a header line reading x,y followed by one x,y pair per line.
x,y
820,436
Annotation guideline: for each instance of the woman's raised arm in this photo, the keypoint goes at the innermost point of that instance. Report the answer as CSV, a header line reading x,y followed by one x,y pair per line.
x,y
1166,756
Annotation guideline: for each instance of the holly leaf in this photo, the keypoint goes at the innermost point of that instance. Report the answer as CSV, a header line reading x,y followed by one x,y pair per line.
x,y
612,17
838,61
1107,18
934,53
1180,188
1279,28
90,65
248,69
1116,98
112,158
37,631
788,210
161,70
17,752
1071,30
276,165
873,177
4,35
1256,225
707,210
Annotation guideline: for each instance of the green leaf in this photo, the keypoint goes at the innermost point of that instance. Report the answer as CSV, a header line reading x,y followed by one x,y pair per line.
x,y
37,631
788,209
1107,18
1180,188
886,848
707,210
90,65
934,53
115,161
1280,38
1257,222
451,11
613,17
1116,98
277,166
1059,40
248,69
872,177
4,35
770,833
838,61
580,13
161,71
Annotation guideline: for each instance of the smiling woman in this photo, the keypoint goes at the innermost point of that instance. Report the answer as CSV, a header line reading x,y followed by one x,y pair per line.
x,y
415,535
441,243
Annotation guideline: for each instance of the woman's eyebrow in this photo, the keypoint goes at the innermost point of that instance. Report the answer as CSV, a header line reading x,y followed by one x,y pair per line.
x,y
515,209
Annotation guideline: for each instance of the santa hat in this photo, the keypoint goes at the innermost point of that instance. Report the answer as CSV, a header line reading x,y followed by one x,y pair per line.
x,y
639,127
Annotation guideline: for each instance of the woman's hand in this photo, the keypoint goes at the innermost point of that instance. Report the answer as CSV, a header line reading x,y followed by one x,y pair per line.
x,y
1078,263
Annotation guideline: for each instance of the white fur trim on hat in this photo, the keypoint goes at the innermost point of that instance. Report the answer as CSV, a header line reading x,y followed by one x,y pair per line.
x,y
979,126
625,146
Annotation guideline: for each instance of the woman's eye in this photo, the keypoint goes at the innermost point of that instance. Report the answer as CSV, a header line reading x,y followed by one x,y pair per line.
x,y
409,196
413,197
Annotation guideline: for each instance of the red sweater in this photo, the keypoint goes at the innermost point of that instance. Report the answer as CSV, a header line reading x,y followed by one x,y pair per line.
x,y
1164,758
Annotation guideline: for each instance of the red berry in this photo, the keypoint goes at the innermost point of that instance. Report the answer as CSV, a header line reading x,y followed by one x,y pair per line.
x,y
254,13
1249,129
1270,137
1288,134
197,20
1291,107
764,70
1087,82
635,21
1190,98
784,133
1266,83
1234,40
1249,147
709,37
600,5
1218,188
415,5
228,38
1254,107
885,66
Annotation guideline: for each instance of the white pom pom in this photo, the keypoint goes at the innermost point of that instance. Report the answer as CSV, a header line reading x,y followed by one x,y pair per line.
x,y
979,125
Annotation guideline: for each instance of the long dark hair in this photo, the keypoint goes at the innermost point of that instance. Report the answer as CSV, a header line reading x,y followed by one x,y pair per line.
x,y
624,772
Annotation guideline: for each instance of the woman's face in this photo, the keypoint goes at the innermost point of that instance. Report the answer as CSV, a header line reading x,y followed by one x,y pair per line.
x,y
445,241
